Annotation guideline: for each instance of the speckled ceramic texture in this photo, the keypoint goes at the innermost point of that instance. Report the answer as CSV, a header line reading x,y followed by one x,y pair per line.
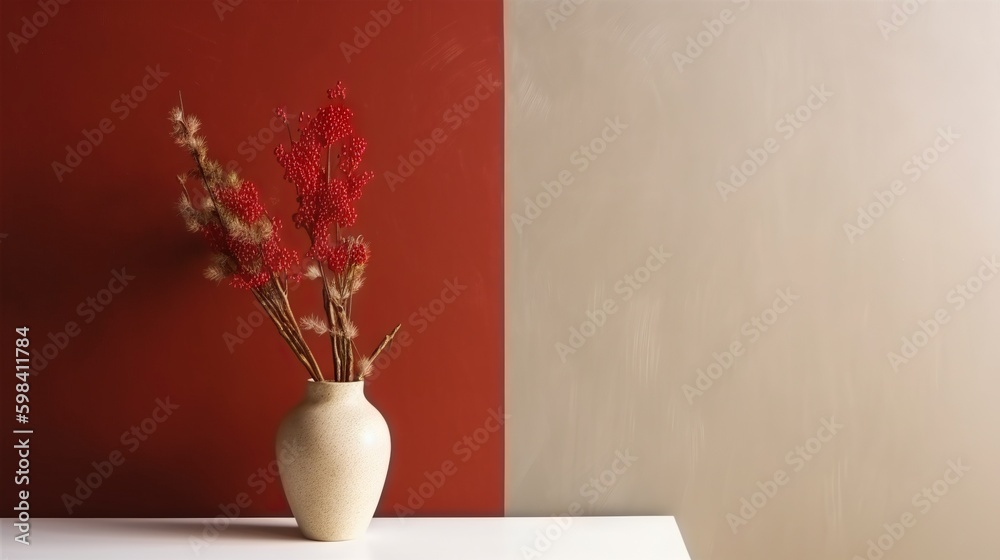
x,y
334,479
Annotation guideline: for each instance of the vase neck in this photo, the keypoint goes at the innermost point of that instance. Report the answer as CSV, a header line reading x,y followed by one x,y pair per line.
x,y
333,391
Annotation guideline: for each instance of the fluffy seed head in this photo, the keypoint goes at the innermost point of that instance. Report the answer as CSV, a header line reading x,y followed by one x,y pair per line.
x,y
364,365
313,323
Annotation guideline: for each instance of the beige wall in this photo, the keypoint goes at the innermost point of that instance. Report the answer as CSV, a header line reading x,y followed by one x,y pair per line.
x,y
852,298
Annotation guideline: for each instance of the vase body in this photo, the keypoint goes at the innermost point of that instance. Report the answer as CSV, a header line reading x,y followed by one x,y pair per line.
x,y
333,456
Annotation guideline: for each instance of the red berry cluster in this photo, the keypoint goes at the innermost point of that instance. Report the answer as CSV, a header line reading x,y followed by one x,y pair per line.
x,y
242,200
349,252
359,254
338,259
276,257
325,198
255,261
339,92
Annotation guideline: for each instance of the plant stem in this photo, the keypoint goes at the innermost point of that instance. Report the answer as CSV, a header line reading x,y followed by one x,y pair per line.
x,y
384,344
293,339
287,308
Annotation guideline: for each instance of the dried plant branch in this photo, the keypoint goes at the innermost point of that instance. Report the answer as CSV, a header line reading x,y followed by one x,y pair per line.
x,y
382,346
246,242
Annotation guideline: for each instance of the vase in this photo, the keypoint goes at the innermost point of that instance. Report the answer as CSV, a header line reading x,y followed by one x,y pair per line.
x,y
339,458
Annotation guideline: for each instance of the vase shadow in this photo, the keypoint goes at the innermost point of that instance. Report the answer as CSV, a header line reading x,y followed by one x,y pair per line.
x,y
238,529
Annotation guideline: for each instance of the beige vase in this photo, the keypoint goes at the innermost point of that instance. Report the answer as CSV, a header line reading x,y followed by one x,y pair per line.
x,y
335,475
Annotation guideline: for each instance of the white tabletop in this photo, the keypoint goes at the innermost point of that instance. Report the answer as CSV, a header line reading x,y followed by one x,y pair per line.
x,y
510,538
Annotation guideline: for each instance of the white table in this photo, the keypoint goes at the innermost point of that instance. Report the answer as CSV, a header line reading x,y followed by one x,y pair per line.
x,y
471,538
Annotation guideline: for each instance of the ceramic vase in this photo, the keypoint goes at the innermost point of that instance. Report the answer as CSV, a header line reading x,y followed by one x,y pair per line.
x,y
333,455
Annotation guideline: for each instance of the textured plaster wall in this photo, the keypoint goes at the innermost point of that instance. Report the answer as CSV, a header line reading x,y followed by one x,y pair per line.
x,y
806,405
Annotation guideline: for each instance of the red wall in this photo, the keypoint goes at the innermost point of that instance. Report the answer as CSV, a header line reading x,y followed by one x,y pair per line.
x,y
162,335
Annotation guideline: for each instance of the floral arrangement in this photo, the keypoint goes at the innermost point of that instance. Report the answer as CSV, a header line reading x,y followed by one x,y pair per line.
x,y
245,238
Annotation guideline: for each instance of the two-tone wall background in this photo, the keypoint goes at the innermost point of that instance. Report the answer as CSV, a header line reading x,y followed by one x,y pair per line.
x,y
737,262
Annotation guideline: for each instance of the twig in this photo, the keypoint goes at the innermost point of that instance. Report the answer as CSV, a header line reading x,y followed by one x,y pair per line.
x,y
384,344
330,321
